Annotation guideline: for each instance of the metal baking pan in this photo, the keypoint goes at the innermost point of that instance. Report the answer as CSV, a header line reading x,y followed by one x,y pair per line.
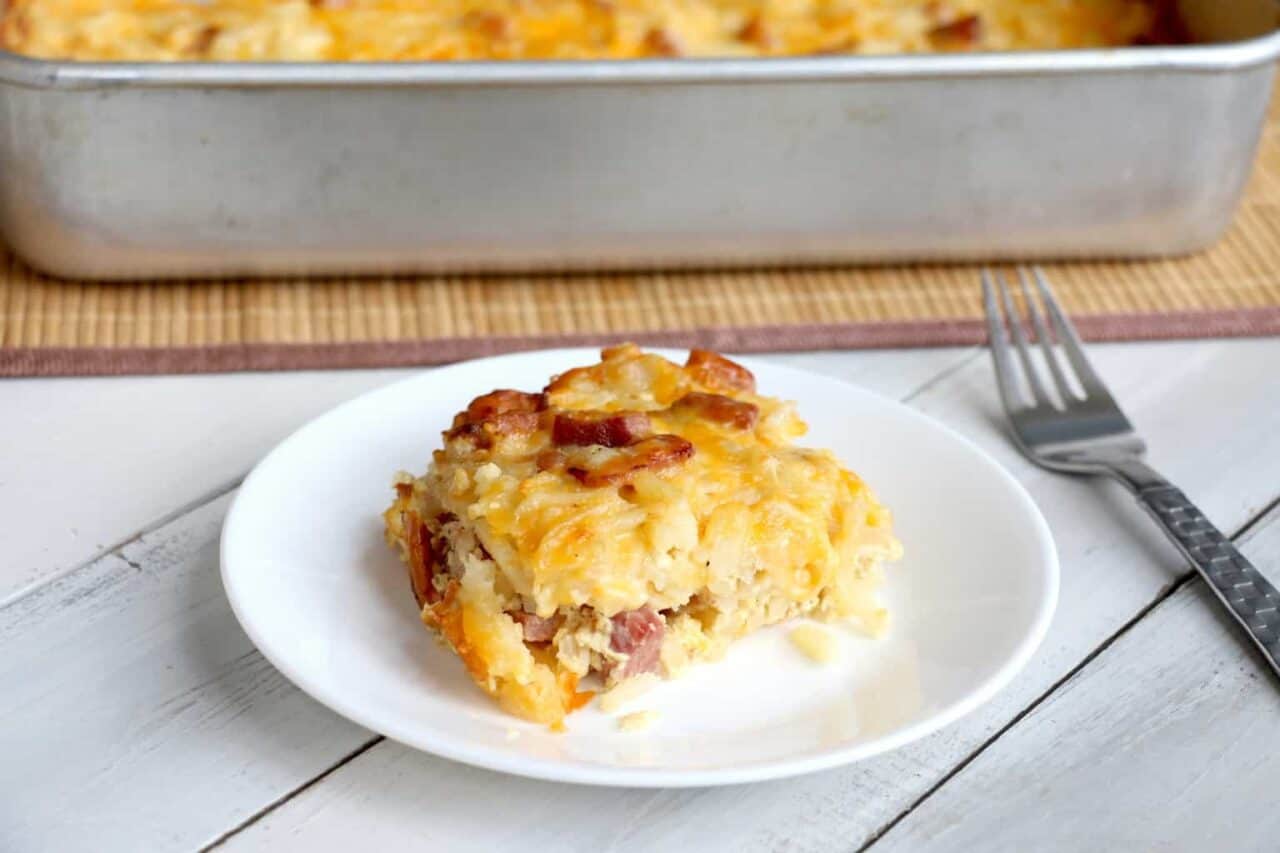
x,y
127,170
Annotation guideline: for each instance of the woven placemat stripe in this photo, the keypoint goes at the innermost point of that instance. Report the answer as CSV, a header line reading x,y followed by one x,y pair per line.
x,y
38,313
219,358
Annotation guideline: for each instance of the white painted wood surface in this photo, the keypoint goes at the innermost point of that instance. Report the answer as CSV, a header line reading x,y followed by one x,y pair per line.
x,y
137,716
1183,756
127,452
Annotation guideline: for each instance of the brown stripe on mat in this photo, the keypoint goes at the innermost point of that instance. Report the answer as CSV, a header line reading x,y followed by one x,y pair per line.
x,y
221,358
50,327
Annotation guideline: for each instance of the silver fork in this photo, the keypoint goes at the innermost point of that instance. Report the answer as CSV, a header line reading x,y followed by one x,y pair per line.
x,y
1081,430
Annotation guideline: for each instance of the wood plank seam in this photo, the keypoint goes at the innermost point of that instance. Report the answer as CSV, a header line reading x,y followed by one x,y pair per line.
x,y
1242,535
1153,747
289,795
118,547
945,374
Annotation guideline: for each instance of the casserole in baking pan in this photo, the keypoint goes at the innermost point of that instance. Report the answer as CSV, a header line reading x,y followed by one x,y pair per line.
x,y
131,168
426,30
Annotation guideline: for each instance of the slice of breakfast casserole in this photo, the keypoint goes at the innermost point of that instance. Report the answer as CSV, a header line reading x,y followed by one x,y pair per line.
x,y
633,517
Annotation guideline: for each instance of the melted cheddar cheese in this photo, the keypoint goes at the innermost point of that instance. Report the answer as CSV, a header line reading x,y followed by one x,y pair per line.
x,y
635,516
377,30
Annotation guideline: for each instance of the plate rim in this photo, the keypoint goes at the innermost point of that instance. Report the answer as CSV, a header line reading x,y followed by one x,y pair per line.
x,y
554,770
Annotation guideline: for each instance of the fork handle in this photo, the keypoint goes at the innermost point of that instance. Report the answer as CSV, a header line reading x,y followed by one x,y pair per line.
x,y
1249,597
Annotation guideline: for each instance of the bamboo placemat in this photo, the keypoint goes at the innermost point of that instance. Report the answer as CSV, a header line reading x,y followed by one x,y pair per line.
x,y
50,327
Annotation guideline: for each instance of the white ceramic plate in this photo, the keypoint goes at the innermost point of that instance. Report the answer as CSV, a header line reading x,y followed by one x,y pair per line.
x,y
326,601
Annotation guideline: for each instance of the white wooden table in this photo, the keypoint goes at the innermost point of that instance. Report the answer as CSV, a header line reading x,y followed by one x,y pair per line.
x,y
136,715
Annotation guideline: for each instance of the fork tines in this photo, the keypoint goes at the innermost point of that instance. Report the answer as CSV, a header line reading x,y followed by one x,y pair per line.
x,y
1032,330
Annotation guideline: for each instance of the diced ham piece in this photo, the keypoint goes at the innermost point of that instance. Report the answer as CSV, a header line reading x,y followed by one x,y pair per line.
x,y
608,429
536,628
550,460
638,634
426,558
651,454
660,41
504,425
499,413
719,408
490,24
513,423
715,371
501,401
755,31
203,40
960,33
